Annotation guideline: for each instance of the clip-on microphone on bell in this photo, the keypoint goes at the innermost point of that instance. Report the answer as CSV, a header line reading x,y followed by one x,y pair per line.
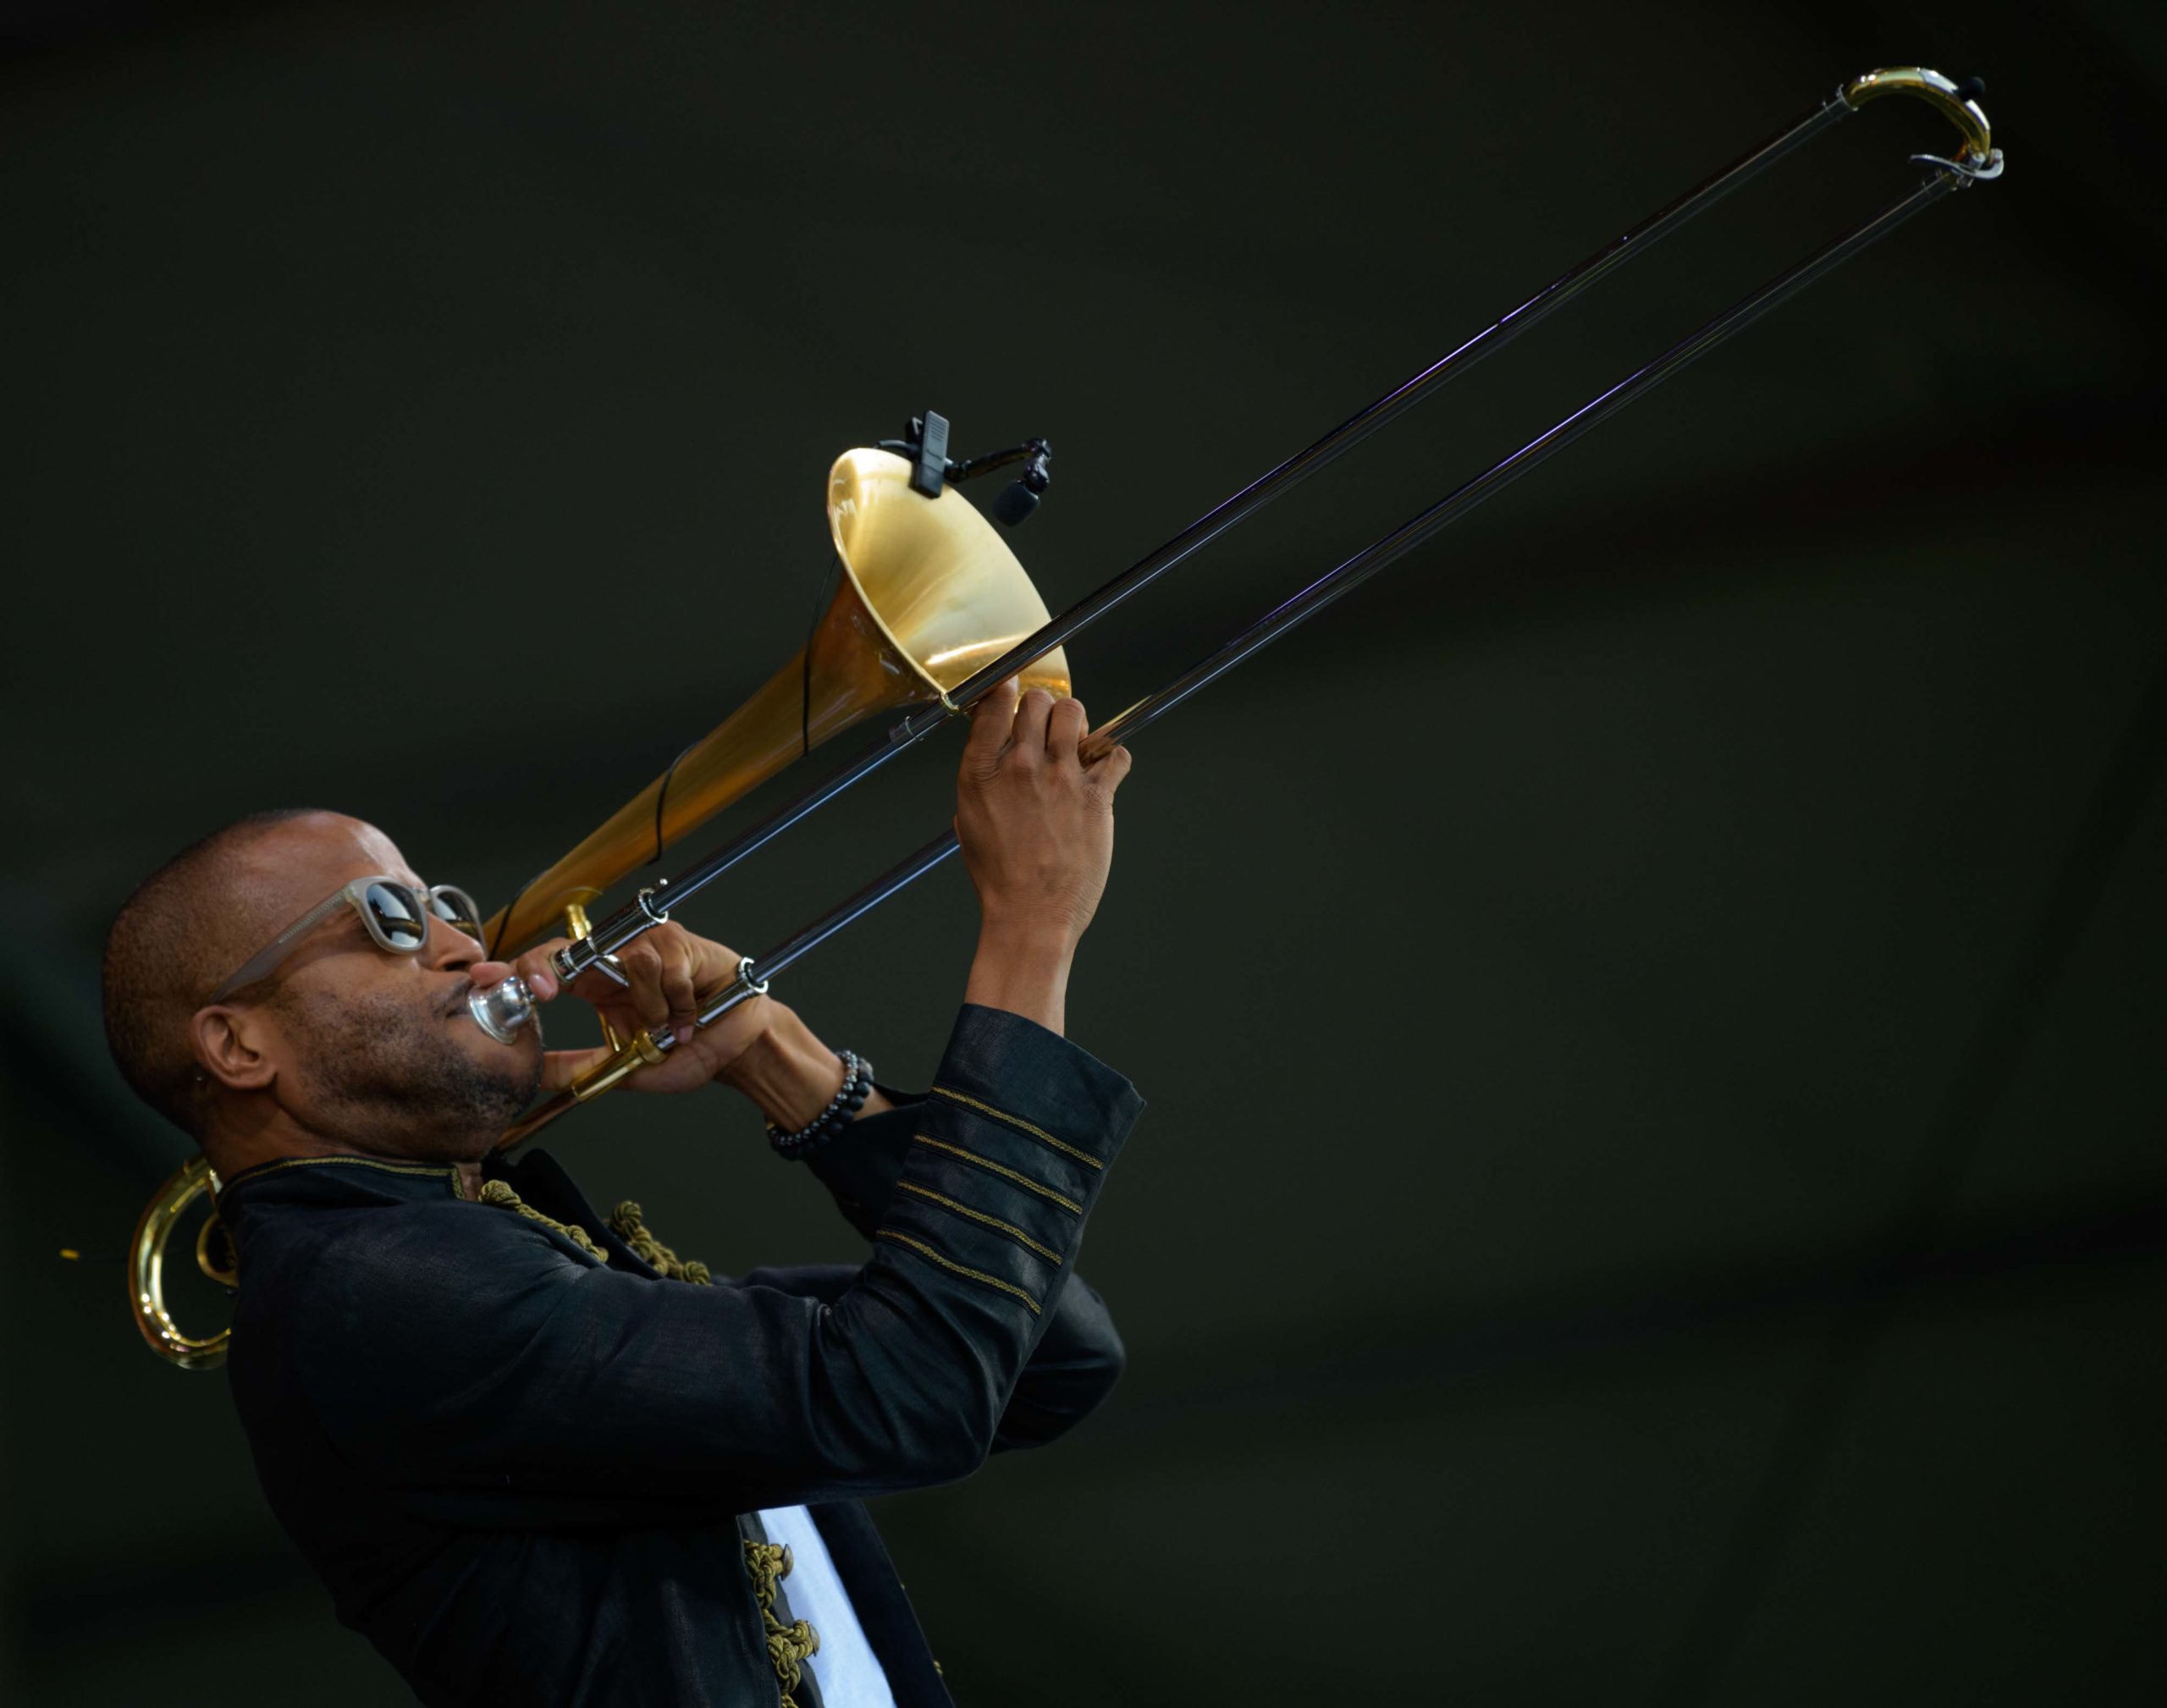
x,y
925,444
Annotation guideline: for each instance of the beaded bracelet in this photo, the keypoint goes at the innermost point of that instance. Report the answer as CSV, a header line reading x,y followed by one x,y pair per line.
x,y
842,1109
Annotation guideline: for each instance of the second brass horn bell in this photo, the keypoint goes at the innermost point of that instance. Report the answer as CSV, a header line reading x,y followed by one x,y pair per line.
x,y
928,594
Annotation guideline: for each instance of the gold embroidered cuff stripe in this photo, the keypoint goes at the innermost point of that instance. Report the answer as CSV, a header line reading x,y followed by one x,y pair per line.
x,y
977,1274
1021,1125
992,1167
994,1222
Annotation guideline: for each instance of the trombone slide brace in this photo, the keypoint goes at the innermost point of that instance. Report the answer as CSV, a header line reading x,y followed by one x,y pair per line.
x,y
598,948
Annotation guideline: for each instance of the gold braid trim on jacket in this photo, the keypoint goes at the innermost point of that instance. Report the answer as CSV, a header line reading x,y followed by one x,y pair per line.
x,y
789,1646
499,1193
767,1564
625,1222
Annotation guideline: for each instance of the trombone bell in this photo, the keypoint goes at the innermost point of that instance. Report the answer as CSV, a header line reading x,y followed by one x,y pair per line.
x,y
938,594
927,594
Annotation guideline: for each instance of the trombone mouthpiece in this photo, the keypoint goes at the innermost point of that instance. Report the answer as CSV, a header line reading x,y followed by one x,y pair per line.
x,y
503,1010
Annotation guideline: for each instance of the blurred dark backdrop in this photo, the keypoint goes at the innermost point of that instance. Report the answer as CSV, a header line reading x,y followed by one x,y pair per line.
x,y
1653,1189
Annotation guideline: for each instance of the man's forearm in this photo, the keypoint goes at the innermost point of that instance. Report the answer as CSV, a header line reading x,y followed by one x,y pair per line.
x,y
791,1074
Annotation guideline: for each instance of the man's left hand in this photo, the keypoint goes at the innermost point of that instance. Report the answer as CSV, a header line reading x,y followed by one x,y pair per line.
x,y
667,972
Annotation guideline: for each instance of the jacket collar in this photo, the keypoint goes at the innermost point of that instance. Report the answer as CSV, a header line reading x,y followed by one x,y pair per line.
x,y
337,1183
336,1180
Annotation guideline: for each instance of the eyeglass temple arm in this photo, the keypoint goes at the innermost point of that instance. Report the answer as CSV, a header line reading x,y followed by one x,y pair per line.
x,y
274,951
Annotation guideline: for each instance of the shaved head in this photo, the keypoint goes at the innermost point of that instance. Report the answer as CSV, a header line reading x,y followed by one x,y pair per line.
x,y
341,1045
192,922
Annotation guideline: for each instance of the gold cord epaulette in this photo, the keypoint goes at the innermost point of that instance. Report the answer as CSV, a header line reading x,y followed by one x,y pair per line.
x,y
626,1225
789,1646
497,1193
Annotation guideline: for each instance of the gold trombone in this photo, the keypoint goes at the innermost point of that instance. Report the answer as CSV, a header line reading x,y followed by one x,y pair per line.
x,y
932,609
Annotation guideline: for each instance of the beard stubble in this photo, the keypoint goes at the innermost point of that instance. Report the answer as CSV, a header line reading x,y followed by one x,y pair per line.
x,y
389,1065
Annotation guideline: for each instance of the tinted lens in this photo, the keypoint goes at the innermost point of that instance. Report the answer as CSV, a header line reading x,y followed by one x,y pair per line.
x,y
456,908
395,916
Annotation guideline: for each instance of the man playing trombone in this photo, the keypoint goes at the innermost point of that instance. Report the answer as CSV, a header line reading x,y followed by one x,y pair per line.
x,y
535,1457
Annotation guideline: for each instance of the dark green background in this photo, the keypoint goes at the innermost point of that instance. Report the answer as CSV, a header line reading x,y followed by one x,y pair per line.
x,y
1653,1188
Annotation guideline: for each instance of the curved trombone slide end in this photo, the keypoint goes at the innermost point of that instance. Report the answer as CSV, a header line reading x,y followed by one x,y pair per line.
x,y
1957,103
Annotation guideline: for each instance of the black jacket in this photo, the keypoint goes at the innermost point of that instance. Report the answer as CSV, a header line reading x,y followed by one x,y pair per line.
x,y
520,1471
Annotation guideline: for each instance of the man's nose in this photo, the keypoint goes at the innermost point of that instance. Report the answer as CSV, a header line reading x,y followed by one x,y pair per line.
x,y
449,950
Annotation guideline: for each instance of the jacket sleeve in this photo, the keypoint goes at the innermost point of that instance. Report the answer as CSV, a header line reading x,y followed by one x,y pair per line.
x,y
1079,1354
493,1374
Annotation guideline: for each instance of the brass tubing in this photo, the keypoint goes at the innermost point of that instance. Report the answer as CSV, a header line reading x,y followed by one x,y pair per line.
x,y
742,751
146,1292
578,928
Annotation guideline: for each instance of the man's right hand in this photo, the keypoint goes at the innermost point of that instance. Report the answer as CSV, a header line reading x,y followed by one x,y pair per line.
x,y
1037,829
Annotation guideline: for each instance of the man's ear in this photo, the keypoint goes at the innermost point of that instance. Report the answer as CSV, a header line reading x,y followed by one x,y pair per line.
x,y
228,1045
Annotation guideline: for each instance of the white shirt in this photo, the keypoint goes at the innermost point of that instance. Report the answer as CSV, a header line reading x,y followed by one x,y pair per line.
x,y
847,1671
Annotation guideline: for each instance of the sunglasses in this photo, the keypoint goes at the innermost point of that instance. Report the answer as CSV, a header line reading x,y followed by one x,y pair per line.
x,y
397,915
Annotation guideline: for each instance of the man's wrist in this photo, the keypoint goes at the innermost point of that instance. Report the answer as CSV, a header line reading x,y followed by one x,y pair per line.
x,y
1028,942
1022,966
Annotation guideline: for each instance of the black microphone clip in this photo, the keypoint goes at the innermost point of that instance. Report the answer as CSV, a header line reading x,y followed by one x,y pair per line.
x,y
928,436
925,444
